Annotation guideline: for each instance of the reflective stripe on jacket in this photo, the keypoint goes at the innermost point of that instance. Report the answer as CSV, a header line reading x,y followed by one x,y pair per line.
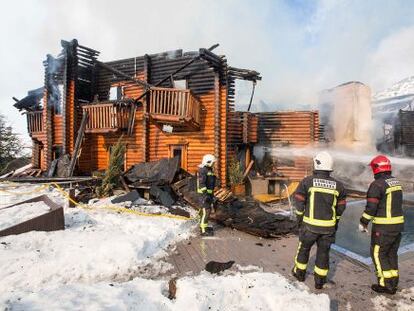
x,y
384,204
320,200
206,180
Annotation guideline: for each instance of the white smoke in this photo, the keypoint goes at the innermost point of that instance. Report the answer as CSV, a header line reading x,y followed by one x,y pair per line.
x,y
351,167
300,48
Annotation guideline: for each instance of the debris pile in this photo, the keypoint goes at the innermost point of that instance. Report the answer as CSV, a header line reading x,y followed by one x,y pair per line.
x,y
167,183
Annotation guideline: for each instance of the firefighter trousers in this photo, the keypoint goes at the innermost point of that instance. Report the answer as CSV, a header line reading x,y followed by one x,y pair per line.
x,y
205,210
384,254
323,241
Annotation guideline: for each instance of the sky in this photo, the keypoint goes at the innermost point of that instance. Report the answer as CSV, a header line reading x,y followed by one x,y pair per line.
x,y
300,47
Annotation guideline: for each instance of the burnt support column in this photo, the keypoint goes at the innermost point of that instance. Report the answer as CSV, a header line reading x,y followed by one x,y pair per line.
x,y
145,127
217,126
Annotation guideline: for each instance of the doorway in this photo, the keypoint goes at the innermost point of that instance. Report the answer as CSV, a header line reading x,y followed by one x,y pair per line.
x,y
179,151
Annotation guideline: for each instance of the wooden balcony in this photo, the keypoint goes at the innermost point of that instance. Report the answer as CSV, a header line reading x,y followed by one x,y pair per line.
x,y
106,117
178,108
34,122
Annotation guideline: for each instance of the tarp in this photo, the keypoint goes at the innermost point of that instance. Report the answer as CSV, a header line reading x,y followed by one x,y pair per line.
x,y
160,172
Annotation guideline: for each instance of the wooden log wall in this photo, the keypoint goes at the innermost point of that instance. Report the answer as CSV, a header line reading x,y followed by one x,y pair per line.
x,y
294,128
200,80
242,128
291,128
149,142
74,70
212,89
95,149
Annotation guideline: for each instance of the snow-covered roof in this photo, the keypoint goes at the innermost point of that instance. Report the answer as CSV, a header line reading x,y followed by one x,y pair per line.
x,y
403,87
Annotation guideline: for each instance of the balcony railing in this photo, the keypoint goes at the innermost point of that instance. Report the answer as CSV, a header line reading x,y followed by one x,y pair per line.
x,y
175,107
34,122
106,117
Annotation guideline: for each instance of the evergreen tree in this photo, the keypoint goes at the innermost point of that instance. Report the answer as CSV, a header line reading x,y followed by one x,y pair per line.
x,y
114,170
10,144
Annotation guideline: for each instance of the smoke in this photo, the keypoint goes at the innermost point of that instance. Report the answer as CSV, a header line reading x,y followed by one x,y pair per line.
x,y
345,111
350,167
300,47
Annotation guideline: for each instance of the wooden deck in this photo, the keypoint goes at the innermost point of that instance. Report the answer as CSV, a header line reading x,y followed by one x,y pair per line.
x,y
349,285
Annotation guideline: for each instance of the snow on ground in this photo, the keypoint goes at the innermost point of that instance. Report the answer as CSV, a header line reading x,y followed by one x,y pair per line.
x,y
251,291
402,301
11,193
96,245
97,262
12,216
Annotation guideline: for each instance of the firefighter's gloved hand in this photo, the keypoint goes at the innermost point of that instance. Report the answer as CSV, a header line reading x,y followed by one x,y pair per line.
x,y
363,228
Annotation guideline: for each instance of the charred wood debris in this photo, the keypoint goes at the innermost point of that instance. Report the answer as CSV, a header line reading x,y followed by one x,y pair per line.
x,y
165,183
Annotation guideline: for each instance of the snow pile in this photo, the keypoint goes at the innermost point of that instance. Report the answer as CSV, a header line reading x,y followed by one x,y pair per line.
x,y
17,214
403,87
95,246
404,301
103,259
252,291
11,193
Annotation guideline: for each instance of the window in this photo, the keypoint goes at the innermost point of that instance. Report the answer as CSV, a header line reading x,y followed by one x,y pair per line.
x,y
116,92
181,84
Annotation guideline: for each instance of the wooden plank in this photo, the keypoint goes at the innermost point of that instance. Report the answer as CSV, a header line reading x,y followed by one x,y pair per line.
x,y
78,143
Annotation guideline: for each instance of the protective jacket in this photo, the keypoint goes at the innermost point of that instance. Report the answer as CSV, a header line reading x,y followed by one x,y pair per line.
x,y
320,201
384,204
206,180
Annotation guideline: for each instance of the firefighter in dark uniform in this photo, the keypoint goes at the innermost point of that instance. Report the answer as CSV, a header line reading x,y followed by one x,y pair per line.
x,y
384,208
320,201
206,181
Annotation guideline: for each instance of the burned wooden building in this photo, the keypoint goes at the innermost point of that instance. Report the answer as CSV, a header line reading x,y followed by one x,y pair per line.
x,y
164,105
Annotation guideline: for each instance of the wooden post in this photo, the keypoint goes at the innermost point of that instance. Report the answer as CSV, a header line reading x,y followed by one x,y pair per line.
x,y
248,155
71,197
78,143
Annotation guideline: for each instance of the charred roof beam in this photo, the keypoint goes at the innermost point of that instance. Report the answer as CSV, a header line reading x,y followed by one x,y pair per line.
x,y
122,74
244,74
171,75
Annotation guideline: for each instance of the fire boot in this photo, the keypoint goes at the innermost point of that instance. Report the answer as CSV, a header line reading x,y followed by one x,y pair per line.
x,y
208,232
299,274
395,281
383,289
319,281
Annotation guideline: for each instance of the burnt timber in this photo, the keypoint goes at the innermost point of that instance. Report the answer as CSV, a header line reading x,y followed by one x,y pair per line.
x,y
167,104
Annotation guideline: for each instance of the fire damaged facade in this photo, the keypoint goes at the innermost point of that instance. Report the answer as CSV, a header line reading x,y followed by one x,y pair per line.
x,y
163,105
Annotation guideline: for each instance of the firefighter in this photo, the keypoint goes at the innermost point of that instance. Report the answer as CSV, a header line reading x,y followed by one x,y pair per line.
x,y
320,201
206,181
384,208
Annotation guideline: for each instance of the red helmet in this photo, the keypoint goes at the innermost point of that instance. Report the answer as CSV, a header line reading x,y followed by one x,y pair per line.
x,y
380,164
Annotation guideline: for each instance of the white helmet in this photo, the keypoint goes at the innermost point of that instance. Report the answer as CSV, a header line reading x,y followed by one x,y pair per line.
x,y
323,161
208,160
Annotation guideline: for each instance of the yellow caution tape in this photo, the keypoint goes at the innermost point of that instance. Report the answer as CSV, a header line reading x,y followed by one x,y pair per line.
x,y
37,189
107,207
